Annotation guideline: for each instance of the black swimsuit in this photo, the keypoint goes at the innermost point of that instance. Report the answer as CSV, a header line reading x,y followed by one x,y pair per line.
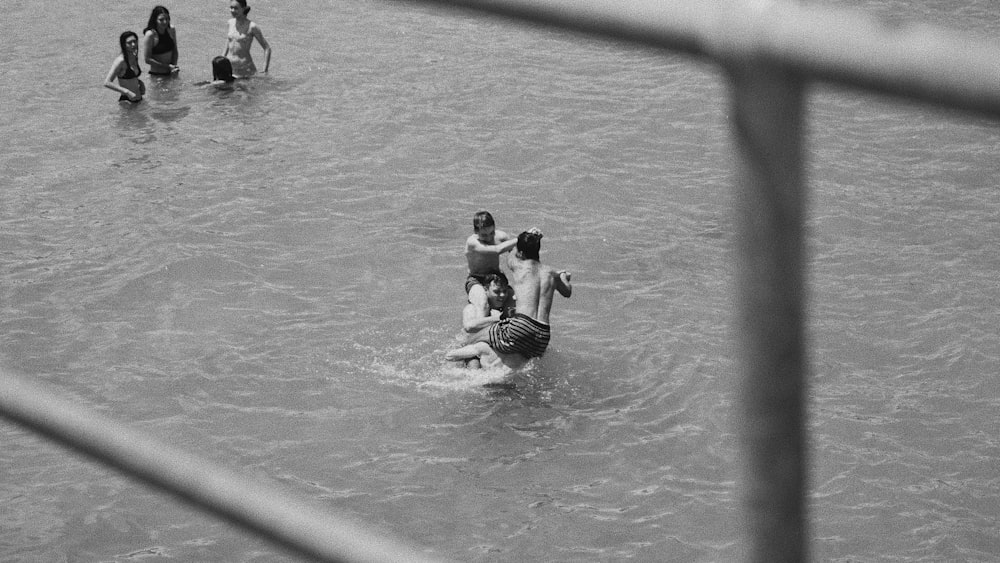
x,y
129,74
164,44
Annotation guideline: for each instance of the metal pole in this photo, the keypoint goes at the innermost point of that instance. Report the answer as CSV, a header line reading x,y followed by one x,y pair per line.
x,y
767,123
256,506
920,62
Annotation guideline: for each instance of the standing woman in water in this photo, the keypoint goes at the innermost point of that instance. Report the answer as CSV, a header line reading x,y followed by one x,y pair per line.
x,y
126,70
242,32
159,43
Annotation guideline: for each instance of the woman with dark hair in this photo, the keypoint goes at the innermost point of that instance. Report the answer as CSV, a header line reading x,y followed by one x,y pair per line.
x,y
241,34
159,43
126,70
222,73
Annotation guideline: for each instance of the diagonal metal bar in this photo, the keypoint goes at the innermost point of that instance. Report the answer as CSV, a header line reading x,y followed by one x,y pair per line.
x,y
771,50
270,513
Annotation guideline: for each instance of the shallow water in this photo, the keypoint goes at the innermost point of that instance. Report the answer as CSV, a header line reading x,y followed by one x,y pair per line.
x,y
269,277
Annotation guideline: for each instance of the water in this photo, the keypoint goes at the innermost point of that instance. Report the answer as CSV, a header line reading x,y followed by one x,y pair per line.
x,y
270,277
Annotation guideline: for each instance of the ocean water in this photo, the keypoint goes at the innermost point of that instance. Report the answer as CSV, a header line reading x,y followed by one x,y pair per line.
x,y
270,277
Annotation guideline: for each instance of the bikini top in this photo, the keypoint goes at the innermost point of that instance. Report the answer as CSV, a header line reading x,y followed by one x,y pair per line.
x,y
129,72
165,43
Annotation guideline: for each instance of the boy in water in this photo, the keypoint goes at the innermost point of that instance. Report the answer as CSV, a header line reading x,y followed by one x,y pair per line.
x,y
499,305
482,250
526,333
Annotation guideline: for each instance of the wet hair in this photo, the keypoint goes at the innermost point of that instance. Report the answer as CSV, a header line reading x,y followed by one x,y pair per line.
x,y
495,277
528,244
121,42
222,69
153,16
482,219
243,3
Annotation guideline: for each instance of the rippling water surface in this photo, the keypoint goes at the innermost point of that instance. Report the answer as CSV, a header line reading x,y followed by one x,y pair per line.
x,y
269,278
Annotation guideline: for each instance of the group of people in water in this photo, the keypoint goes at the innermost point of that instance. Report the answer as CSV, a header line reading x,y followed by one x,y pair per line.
x,y
159,47
507,323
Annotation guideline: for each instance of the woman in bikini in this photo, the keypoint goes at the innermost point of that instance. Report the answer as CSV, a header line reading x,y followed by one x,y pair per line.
x,y
159,43
126,70
242,32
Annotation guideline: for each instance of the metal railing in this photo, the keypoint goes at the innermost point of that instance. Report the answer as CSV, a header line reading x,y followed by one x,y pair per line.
x,y
770,52
264,509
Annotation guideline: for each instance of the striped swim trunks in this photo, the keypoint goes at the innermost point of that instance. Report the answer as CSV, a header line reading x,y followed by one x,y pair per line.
x,y
520,334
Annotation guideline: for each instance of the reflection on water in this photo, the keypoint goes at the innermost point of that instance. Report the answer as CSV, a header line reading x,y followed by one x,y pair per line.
x,y
170,115
133,119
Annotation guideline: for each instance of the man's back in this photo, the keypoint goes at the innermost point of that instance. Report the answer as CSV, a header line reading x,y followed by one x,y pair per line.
x,y
534,283
524,334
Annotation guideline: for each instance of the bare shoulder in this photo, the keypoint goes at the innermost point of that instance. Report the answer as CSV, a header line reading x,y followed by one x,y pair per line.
x,y
501,236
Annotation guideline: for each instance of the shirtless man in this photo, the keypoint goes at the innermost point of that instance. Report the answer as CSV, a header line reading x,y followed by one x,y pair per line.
x,y
241,34
499,305
482,250
525,334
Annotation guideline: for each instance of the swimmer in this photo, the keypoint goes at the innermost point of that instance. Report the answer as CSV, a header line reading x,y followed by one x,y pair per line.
x,y
482,251
499,305
222,74
126,69
159,43
525,334
242,32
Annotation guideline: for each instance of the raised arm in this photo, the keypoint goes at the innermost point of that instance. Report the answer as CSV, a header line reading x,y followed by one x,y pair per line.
x,y
497,249
563,284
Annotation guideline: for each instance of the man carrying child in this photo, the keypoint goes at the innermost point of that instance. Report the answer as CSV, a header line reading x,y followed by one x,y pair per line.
x,y
524,334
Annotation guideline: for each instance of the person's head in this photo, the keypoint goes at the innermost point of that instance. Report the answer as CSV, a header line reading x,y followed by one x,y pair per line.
x,y
528,244
159,20
238,8
484,226
129,43
222,69
497,289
